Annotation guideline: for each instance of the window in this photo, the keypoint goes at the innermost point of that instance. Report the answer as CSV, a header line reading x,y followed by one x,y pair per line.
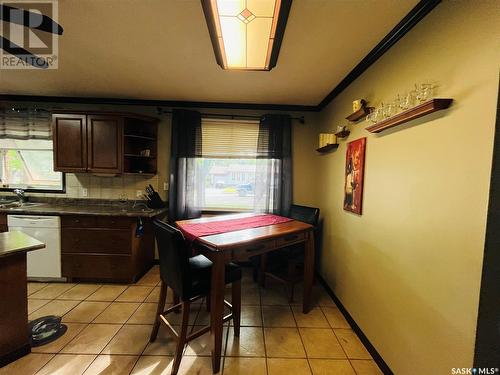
x,y
28,164
230,175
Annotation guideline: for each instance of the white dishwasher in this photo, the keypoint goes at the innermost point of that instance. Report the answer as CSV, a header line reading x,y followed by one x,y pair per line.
x,y
43,263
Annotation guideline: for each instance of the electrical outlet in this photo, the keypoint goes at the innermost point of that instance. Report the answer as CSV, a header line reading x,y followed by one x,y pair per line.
x,y
165,186
138,193
85,192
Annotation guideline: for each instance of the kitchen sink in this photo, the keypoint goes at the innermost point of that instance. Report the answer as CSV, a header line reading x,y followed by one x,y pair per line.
x,y
8,204
30,204
5,201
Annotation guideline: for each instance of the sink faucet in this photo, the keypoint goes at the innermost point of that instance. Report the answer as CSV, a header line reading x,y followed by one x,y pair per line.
x,y
20,195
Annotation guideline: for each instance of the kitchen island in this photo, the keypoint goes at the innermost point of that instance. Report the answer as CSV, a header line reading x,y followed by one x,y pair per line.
x,y
14,336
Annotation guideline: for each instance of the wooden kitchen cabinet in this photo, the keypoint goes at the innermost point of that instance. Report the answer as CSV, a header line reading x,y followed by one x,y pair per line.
x,y
104,143
105,248
69,132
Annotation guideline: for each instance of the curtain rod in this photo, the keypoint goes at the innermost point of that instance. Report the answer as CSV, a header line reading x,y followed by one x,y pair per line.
x,y
300,119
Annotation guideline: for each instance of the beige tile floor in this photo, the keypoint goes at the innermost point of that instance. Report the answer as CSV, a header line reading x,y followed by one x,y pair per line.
x,y
109,327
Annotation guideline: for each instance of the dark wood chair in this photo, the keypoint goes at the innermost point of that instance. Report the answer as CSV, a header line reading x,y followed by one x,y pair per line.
x,y
286,265
189,277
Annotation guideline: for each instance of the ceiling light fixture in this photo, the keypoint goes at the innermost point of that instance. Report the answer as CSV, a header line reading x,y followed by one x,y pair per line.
x,y
246,34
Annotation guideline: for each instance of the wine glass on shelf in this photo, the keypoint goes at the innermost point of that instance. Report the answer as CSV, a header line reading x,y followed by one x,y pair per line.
x,y
392,109
398,100
379,113
403,103
426,91
389,110
372,115
410,99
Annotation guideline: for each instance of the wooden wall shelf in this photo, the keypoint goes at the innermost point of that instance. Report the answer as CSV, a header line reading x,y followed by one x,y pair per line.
x,y
420,110
328,148
359,114
343,133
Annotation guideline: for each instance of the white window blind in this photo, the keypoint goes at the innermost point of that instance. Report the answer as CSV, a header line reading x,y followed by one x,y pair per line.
x,y
231,174
229,138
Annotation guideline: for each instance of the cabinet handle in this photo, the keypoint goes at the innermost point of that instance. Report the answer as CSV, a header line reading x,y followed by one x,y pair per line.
x,y
291,237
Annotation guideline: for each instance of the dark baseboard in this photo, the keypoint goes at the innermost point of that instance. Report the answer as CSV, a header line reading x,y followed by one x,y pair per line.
x,y
368,345
15,355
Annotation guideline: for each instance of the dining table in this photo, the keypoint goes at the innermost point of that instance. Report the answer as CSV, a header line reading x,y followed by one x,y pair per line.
x,y
238,237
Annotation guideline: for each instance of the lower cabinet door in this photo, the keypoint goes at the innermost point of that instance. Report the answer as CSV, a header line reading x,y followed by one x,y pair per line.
x,y
116,268
92,240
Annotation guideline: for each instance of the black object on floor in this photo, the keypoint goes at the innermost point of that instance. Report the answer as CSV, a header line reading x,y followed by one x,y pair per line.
x,y
46,329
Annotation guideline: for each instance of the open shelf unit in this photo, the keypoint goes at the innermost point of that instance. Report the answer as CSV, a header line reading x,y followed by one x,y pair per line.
x,y
343,134
420,110
359,114
140,135
328,148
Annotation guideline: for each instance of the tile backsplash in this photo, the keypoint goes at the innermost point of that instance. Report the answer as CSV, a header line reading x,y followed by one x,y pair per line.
x,y
99,187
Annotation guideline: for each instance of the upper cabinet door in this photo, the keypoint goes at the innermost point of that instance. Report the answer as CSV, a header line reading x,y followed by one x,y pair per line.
x,y
105,144
69,133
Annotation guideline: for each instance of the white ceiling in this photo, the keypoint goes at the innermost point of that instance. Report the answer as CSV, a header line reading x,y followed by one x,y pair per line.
x,y
161,49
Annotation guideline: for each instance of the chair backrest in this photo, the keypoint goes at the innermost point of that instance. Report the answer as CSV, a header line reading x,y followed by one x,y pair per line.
x,y
174,257
309,215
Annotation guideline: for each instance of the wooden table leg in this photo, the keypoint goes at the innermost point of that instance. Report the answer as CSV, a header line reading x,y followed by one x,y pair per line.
x,y
308,273
217,308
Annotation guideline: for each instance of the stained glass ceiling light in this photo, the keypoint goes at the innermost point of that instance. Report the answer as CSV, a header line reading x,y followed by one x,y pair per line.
x,y
246,34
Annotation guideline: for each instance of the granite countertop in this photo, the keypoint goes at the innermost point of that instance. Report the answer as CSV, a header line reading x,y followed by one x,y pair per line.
x,y
16,241
65,206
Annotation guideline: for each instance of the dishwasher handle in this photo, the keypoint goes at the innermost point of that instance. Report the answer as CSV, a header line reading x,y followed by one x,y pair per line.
x,y
33,221
32,217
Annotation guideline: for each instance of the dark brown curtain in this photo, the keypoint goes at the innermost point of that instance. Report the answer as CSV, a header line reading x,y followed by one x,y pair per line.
x,y
185,148
275,144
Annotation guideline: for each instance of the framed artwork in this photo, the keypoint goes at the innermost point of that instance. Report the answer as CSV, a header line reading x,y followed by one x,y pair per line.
x,y
354,171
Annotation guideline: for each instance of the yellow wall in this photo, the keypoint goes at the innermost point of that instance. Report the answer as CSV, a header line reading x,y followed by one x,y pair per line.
x,y
408,270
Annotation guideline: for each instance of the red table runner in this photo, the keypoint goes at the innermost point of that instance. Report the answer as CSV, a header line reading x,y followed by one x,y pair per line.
x,y
192,231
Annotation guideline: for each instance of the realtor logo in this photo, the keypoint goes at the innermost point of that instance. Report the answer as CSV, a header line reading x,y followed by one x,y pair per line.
x,y
29,34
